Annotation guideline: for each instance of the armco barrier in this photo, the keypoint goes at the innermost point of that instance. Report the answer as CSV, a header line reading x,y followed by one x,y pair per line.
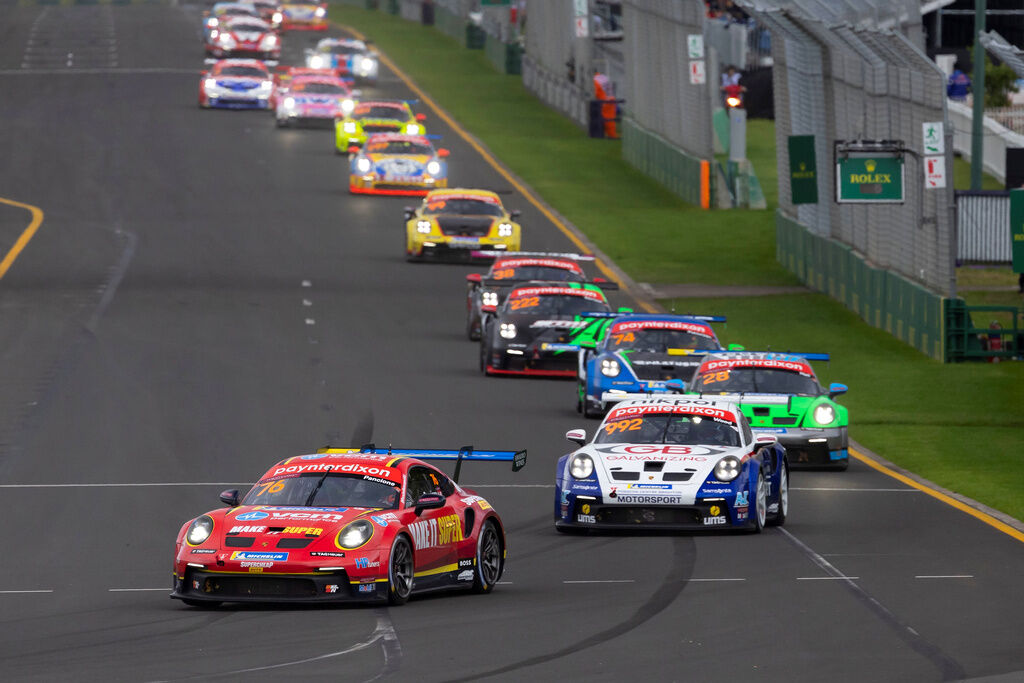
x,y
686,176
883,299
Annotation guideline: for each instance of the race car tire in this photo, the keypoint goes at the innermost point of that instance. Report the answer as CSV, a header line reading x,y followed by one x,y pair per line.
x,y
401,570
485,353
589,411
490,559
779,518
281,123
472,328
201,604
760,505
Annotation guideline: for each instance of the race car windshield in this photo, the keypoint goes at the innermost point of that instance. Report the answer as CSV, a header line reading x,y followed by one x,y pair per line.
x,y
463,207
255,28
336,490
317,88
245,71
552,305
536,273
342,50
758,381
690,430
381,111
237,12
400,147
659,341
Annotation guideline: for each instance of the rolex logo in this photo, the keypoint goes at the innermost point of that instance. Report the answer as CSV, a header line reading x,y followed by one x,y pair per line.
x,y
803,166
870,165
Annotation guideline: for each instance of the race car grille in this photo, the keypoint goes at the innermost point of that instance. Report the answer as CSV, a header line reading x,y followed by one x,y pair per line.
x,y
267,587
236,542
629,514
785,420
676,476
294,542
626,476
381,128
398,186
465,226
655,373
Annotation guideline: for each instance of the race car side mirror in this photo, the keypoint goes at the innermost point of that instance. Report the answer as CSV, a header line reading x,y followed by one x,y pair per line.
x,y
229,497
577,436
675,386
409,211
204,72
835,389
474,278
599,281
766,439
443,153
429,501
421,117
515,213
736,347
353,149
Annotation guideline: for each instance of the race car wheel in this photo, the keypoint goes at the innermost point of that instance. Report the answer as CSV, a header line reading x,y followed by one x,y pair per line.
x,y
485,354
760,504
490,559
779,518
590,409
201,604
281,123
400,571
472,328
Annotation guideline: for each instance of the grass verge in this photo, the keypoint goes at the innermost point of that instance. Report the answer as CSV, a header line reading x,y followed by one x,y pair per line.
x,y
957,425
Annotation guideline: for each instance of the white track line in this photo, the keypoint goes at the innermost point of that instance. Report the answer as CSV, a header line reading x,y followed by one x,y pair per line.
x,y
604,581
81,71
944,576
795,488
47,590
132,590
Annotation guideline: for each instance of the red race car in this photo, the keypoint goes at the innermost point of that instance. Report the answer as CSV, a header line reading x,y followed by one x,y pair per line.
x,y
345,525
243,37
301,16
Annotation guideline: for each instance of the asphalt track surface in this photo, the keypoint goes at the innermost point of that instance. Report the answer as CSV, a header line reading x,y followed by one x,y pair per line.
x,y
203,298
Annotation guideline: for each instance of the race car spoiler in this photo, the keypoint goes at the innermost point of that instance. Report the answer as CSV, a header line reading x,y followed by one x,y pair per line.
x,y
760,399
537,254
514,282
776,355
702,318
517,458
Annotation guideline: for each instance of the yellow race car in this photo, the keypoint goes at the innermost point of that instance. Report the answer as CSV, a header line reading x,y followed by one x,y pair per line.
x,y
454,223
376,116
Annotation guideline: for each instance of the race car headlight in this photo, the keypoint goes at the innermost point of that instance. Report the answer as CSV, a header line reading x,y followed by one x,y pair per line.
x,y
277,18
610,367
413,129
289,103
367,65
269,42
355,534
210,83
489,298
363,164
423,226
504,230
211,22
727,469
226,40
199,530
316,62
266,86
347,105
349,127
581,466
507,330
824,414
320,12
433,167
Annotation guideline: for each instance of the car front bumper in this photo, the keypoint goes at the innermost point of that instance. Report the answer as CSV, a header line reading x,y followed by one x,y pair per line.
x,y
203,585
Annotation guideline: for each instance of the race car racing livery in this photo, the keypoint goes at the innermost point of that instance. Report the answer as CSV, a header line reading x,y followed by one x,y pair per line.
x,y
301,16
347,56
486,291
637,354
672,463
345,525
236,84
376,116
227,10
780,394
395,164
266,8
312,100
531,332
459,223
243,37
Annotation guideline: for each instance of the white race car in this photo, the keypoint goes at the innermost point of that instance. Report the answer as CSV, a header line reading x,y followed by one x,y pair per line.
x,y
672,463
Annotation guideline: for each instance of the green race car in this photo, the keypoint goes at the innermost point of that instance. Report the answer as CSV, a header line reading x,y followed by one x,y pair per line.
x,y
376,116
780,394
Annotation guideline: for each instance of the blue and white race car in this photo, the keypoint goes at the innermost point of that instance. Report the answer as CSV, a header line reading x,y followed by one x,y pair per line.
x,y
636,354
349,58
672,463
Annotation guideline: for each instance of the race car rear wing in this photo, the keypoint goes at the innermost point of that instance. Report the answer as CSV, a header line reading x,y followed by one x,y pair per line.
x,y
760,399
514,282
533,254
799,354
517,458
607,314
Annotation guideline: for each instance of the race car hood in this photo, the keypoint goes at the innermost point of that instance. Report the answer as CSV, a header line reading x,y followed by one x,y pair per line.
x,y
467,226
237,82
399,165
775,412
318,99
661,366
537,331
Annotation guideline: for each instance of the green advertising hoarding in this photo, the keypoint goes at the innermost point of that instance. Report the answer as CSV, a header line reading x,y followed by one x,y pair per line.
x,y
1017,229
803,170
869,178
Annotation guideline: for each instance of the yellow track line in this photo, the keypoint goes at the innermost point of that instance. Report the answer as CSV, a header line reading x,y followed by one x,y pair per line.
x,y
948,500
526,192
26,235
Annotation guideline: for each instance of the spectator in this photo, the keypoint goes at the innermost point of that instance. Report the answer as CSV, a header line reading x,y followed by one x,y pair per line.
x,y
958,86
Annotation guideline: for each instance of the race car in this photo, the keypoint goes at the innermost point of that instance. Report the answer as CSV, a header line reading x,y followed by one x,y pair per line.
x,y
780,394
636,354
243,37
376,116
226,10
341,525
681,463
457,224
283,76
312,100
395,164
347,56
486,291
301,16
236,84
532,332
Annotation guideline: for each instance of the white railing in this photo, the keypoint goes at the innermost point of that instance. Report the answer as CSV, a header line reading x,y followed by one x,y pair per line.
x,y
997,138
